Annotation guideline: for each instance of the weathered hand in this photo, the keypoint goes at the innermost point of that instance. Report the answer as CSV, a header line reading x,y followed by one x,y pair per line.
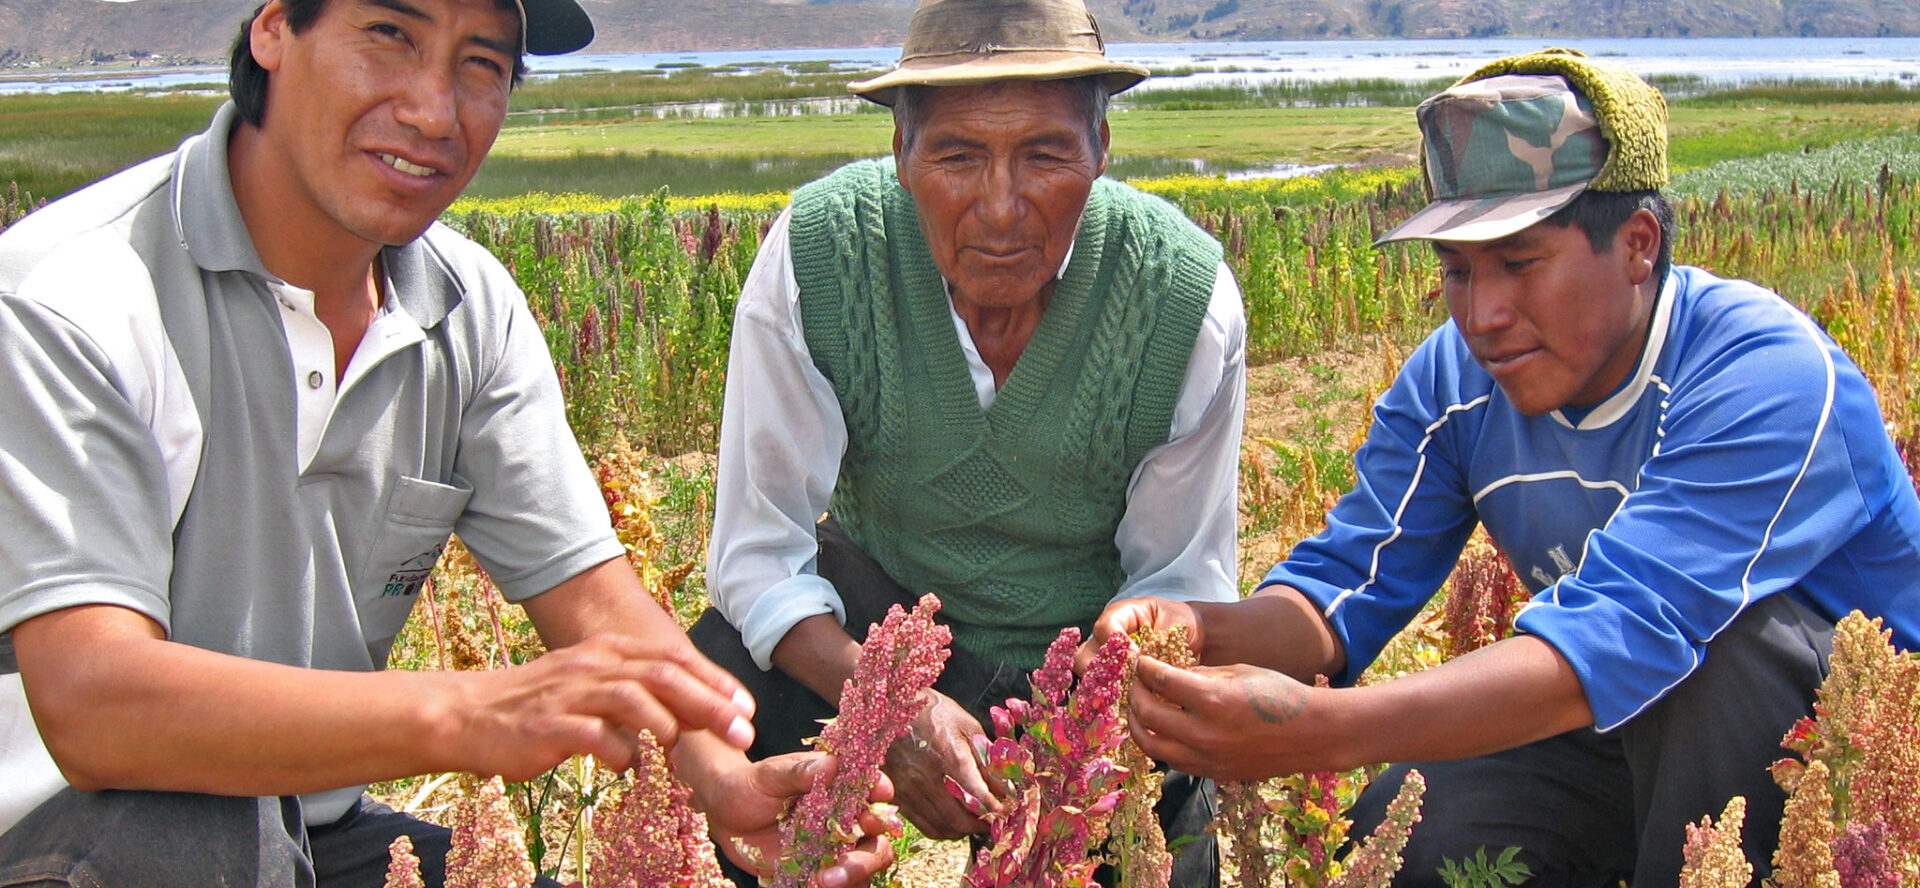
x,y
1131,616
1230,722
939,746
744,818
591,698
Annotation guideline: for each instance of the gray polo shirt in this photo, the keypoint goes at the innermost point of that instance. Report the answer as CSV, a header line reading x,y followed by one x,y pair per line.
x,y
161,451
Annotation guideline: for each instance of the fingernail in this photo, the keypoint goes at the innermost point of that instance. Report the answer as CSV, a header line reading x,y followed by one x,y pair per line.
x,y
744,700
831,877
740,733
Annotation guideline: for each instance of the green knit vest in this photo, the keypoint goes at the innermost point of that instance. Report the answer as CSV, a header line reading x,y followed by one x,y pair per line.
x,y
1008,514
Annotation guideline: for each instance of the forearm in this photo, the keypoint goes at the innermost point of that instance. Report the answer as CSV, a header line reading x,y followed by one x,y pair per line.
x,y
124,709
605,598
818,653
1277,628
1505,695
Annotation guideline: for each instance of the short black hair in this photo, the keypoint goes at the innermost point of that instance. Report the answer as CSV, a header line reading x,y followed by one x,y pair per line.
x,y
247,81
1601,213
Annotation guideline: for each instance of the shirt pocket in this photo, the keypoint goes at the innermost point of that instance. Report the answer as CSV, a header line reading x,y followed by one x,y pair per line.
x,y
406,545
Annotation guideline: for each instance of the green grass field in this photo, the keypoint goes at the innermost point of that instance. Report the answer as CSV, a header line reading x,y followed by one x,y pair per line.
x,y
52,144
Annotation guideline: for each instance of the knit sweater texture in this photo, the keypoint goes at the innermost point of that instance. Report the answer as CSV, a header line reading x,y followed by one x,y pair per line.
x,y
1008,513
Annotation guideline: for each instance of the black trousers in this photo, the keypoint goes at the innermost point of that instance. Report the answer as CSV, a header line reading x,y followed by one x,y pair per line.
x,y
789,712
1592,809
126,839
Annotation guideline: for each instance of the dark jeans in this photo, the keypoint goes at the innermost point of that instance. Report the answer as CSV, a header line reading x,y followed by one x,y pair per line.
x,y
117,839
1593,809
789,712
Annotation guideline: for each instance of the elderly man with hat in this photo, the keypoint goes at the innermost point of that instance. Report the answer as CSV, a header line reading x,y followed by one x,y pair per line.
x,y
1006,379
1690,477
250,387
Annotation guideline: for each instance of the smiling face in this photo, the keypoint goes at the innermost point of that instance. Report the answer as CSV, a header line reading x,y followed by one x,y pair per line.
x,y
1555,322
999,175
379,112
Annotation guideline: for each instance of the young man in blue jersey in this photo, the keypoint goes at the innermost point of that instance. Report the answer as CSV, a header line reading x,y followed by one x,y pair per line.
x,y
1692,479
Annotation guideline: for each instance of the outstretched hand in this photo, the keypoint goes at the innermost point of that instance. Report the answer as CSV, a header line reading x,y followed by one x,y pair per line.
x,y
592,698
939,746
1135,615
748,801
1229,722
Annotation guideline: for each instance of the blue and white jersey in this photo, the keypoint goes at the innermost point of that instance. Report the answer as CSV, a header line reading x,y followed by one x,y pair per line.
x,y
1744,456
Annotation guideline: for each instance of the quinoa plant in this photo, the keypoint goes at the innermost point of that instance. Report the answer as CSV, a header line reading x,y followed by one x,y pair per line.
x,y
1853,818
1137,847
1288,826
1056,755
403,868
1712,852
898,662
651,835
488,850
1376,858
1483,596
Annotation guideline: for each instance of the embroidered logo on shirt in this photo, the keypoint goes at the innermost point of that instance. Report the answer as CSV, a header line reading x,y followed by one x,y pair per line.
x,y
406,581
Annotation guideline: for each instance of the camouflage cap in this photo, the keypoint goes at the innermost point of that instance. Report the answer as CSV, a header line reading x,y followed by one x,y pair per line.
x,y
1501,154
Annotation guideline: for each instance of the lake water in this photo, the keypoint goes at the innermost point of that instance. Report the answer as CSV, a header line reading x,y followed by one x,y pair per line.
x,y
1716,59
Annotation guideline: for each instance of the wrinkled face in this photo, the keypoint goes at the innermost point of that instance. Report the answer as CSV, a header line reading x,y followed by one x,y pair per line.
x,y
1556,323
999,175
379,113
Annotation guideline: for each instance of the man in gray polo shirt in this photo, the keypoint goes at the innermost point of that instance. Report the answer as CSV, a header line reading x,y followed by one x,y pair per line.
x,y
249,389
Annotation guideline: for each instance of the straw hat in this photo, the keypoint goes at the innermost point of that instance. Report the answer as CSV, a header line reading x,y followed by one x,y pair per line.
x,y
970,42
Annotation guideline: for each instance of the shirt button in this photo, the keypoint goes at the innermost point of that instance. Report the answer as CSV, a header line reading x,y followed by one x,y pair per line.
x,y
314,379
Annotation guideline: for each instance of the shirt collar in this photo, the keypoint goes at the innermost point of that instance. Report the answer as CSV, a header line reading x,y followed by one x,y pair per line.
x,y
1618,404
204,211
208,221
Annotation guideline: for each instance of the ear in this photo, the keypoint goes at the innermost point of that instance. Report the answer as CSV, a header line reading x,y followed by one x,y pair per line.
x,y
900,161
1638,242
1106,144
268,35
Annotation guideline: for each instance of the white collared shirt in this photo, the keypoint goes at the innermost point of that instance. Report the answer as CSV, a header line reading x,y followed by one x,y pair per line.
x,y
783,435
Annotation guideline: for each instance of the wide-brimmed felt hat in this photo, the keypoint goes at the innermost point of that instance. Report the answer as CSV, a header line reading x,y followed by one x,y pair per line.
x,y
552,27
972,42
1517,140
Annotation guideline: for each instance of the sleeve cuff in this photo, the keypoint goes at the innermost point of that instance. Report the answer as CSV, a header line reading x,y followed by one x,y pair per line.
x,y
520,588
33,602
783,605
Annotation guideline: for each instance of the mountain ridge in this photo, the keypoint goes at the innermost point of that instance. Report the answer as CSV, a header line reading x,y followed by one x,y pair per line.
x,y
66,31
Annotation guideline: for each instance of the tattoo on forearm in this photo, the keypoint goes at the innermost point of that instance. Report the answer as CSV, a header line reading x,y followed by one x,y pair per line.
x,y
1275,699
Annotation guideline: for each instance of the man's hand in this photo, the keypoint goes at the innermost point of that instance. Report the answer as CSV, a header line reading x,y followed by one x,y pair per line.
x,y
1131,616
592,698
940,745
745,806
1232,722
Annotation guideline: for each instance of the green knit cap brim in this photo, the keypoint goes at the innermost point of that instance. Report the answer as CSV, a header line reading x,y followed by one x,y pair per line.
x,y
1632,114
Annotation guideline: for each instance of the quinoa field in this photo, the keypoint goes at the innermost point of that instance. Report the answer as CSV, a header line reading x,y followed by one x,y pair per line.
x,y
636,296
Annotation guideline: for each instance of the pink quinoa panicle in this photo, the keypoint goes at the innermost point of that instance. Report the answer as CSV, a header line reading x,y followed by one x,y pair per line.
x,y
1055,755
1712,853
1375,859
488,848
403,868
900,659
652,835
